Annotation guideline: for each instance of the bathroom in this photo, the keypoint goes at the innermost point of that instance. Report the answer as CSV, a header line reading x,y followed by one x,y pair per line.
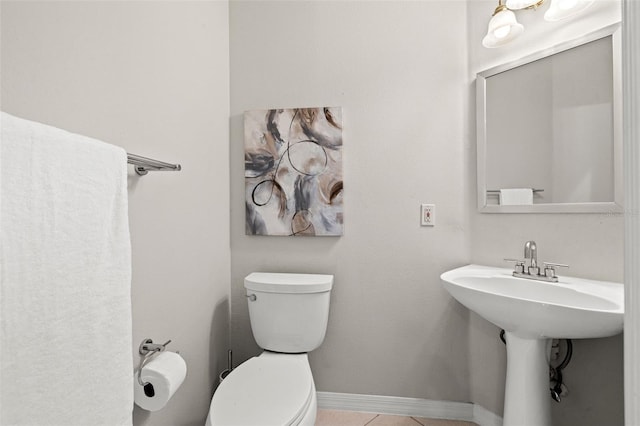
x,y
171,79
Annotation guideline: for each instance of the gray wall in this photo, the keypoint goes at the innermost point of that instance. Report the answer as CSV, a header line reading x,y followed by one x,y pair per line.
x,y
399,73
151,77
592,244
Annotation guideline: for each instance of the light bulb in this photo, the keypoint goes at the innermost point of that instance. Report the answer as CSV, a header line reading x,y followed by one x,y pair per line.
x,y
563,9
567,4
502,31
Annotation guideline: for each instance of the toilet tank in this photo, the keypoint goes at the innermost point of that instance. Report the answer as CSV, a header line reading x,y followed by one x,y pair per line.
x,y
288,312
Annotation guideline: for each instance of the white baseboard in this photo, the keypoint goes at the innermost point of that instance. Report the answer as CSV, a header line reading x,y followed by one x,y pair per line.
x,y
484,417
416,407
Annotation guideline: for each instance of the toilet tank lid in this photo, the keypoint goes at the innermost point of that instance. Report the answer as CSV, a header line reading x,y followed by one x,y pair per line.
x,y
288,283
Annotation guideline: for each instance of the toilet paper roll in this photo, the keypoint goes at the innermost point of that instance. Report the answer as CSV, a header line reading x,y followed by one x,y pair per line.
x,y
163,374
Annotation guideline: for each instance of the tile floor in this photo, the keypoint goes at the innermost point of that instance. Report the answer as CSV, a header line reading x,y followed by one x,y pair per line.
x,y
352,418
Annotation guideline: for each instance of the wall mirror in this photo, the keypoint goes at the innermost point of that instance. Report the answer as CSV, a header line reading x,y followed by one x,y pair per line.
x,y
551,123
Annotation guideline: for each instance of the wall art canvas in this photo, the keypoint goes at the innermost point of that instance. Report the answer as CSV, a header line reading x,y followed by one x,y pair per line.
x,y
293,172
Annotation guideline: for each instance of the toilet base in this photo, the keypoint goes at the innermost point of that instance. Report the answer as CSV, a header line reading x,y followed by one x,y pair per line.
x,y
309,418
263,384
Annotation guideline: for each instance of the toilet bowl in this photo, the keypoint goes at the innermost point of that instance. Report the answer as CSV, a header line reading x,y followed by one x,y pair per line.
x,y
289,314
270,389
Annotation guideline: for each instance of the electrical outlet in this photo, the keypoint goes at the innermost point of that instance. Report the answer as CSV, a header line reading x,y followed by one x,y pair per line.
x,y
428,214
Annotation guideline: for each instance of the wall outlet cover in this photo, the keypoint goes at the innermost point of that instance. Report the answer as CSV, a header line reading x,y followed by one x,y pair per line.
x,y
427,214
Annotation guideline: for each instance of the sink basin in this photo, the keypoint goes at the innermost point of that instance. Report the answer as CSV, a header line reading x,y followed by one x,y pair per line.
x,y
531,313
572,308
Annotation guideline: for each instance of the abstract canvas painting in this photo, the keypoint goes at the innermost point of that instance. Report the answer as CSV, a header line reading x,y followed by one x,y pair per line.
x,y
293,172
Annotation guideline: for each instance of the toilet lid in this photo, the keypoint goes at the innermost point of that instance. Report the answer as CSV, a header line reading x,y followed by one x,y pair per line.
x,y
271,389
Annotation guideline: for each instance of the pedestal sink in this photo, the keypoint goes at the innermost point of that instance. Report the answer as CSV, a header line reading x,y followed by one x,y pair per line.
x,y
532,312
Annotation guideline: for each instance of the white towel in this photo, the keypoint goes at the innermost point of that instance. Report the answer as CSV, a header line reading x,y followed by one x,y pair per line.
x,y
65,260
516,196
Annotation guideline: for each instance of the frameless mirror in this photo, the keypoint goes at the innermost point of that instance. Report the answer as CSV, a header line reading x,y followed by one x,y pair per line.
x,y
550,123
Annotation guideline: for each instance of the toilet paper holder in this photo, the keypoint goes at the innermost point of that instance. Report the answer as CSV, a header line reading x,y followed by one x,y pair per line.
x,y
147,349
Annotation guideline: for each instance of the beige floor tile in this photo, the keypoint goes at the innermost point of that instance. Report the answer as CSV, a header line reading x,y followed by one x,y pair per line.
x,y
441,422
342,418
387,420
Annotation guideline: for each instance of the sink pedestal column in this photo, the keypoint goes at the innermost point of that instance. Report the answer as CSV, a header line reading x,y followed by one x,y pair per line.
x,y
526,400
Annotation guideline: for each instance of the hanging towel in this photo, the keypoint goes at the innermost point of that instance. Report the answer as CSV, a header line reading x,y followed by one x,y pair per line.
x,y
65,291
516,196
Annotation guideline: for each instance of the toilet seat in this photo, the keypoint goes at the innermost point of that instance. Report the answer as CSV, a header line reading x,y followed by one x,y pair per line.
x,y
270,389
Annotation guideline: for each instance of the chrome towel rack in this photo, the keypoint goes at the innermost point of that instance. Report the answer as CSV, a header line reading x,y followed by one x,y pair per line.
x,y
143,165
497,191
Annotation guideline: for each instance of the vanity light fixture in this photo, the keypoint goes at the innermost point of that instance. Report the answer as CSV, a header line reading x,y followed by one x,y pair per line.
x,y
503,26
523,4
562,9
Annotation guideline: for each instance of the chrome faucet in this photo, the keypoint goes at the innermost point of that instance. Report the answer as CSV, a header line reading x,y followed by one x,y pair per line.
x,y
532,271
531,252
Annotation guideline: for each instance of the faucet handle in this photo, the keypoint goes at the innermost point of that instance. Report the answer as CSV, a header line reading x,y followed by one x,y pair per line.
x,y
519,265
549,268
556,265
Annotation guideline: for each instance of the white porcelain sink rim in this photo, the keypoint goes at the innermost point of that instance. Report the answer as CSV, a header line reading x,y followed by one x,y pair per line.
x,y
610,292
523,309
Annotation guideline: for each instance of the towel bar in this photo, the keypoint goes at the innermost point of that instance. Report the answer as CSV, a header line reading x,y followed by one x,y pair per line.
x,y
497,191
143,165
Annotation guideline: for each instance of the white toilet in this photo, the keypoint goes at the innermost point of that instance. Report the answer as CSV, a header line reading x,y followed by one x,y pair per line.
x,y
289,314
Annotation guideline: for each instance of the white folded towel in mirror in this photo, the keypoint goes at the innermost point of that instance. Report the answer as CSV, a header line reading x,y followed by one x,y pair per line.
x,y
516,196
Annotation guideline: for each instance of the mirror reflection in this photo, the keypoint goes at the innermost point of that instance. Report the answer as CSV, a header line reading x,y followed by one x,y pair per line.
x,y
548,130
